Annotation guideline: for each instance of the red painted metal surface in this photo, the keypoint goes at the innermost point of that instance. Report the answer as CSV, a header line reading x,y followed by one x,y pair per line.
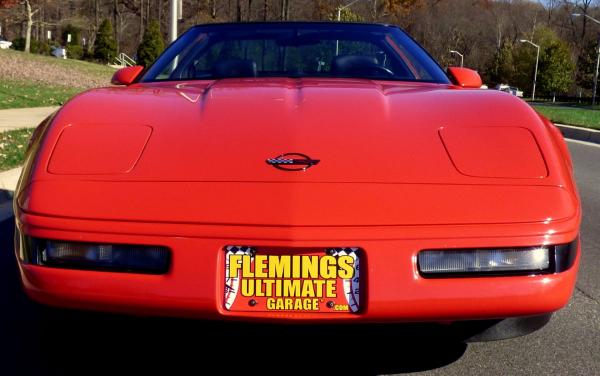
x,y
98,149
126,76
465,77
403,167
494,152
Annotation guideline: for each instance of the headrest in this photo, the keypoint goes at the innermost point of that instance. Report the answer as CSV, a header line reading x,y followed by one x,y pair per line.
x,y
348,64
234,68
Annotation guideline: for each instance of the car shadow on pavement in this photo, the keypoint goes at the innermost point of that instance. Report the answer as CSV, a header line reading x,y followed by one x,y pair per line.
x,y
46,341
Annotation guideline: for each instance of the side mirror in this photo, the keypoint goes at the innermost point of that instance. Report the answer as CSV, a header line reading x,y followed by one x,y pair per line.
x,y
465,77
126,76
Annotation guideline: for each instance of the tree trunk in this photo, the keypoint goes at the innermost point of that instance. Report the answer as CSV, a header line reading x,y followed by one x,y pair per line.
x,y
583,29
238,10
97,13
374,11
159,14
29,25
41,28
287,10
249,18
283,2
265,9
553,97
94,28
141,20
117,17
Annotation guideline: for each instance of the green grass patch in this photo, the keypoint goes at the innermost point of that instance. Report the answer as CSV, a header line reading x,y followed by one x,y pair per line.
x,y
12,147
18,94
571,115
30,80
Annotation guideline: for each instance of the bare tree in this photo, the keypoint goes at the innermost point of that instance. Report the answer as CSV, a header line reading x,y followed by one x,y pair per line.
x,y
29,12
265,9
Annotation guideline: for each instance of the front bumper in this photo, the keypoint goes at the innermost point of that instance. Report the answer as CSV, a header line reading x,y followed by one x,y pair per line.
x,y
393,290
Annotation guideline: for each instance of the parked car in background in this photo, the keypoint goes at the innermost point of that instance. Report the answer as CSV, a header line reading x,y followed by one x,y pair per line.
x,y
59,52
4,44
510,89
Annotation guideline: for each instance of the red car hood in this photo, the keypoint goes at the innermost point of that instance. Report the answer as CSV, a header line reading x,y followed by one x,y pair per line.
x,y
390,149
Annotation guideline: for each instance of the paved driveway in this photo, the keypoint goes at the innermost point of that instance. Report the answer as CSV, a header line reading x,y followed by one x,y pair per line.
x,y
23,117
41,341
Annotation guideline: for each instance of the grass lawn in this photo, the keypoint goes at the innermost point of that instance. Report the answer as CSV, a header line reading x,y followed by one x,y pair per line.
x,y
30,80
20,94
571,115
12,147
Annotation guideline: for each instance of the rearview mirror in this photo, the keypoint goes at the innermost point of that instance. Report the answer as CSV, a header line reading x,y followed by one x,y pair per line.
x,y
465,77
126,76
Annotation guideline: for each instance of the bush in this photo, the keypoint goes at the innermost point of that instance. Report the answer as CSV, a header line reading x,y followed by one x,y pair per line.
x,y
74,51
18,44
35,47
105,46
88,55
43,48
152,45
75,34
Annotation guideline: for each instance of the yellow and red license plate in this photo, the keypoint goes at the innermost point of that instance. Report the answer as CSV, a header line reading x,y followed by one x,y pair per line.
x,y
316,280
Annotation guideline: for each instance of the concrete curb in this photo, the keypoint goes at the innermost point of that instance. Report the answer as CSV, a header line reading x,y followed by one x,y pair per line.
x,y
579,133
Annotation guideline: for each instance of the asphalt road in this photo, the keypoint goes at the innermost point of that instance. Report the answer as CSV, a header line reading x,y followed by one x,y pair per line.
x,y
41,341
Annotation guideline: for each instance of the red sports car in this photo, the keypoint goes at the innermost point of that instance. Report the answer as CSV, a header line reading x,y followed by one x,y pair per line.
x,y
300,172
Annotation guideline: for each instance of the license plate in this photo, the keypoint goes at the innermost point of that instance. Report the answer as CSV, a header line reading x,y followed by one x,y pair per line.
x,y
323,280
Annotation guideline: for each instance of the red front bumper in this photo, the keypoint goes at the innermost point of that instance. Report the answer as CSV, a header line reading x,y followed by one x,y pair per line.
x,y
392,291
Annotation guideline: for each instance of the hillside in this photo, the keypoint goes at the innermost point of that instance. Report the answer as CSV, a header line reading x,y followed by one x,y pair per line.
x,y
29,80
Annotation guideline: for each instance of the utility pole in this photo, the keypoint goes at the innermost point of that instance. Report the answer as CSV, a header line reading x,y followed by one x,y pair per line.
x,y
339,18
537,60
598,58
596,74
173,20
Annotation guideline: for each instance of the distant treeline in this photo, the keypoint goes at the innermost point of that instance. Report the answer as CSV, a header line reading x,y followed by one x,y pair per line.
x,y
487,32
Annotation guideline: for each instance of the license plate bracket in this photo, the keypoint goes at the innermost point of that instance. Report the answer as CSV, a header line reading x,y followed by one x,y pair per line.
x,y
307,280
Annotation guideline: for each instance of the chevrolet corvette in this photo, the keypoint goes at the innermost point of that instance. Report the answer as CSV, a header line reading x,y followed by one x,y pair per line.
x,y
300,172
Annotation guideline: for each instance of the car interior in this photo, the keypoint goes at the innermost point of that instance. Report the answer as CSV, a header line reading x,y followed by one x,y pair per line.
x,y
342,65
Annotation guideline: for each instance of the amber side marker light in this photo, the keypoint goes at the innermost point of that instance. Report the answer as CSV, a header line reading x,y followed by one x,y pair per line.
x,y
496,261
93,256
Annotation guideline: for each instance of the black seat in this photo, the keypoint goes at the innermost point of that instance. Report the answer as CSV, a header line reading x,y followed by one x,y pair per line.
x,y
234,68
344,65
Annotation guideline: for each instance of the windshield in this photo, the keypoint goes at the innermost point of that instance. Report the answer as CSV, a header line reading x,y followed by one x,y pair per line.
x,y
295,50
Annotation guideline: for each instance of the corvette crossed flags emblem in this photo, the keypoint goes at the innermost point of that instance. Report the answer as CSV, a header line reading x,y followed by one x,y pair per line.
x,y
292,162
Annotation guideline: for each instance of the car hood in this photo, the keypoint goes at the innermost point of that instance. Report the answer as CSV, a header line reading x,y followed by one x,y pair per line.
x,y
390,154
359,130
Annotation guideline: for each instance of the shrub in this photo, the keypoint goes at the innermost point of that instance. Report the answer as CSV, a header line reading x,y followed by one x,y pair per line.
x,y
152,45
105,46
74,51
43,48
18,44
